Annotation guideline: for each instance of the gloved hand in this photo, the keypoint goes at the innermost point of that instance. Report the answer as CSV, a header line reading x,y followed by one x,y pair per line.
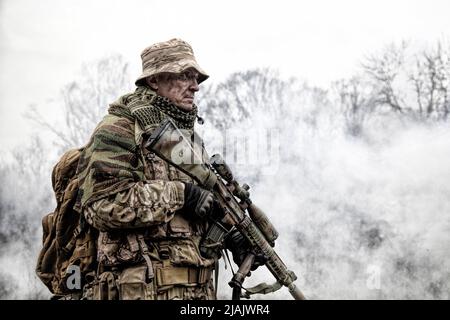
x,y
240,248
198,201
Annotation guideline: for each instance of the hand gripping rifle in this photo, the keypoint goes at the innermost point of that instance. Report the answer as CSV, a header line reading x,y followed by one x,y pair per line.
x,y
184,150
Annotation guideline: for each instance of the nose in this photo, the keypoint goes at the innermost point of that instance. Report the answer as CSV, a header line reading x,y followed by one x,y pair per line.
x,y
193,86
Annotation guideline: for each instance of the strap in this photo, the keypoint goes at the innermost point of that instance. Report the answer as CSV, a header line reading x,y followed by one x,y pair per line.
x,y
76,233
182,275
85,249
132,242
146,255
71,244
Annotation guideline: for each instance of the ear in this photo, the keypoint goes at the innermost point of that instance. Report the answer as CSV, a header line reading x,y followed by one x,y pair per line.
x,y
152,83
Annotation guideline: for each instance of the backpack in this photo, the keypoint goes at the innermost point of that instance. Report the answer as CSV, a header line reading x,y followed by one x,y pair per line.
x,y
67,239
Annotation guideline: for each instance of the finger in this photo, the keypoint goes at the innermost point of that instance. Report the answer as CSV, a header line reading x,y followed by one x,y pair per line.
x,y
208,202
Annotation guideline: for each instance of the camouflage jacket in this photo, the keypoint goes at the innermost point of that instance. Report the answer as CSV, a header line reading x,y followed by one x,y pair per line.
x,y
127,192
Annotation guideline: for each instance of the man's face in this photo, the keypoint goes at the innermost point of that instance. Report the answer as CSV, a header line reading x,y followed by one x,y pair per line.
x,y
179,88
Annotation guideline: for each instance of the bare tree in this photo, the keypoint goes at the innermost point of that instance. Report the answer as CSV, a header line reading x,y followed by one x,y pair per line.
x,y
356,101
85,100
416,86
20,203
384,70
25,197
430,79
242,94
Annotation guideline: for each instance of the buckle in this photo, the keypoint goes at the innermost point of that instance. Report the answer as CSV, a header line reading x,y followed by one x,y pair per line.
x,y
163,251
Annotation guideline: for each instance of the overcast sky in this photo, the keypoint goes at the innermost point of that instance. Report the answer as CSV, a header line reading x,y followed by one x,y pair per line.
x,y
43,43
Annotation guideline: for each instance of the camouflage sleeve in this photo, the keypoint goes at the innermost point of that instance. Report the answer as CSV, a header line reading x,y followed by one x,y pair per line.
x,y
110,162
113,189
143,205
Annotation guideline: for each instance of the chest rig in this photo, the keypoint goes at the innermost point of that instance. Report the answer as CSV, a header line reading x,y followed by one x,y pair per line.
x,y
177,241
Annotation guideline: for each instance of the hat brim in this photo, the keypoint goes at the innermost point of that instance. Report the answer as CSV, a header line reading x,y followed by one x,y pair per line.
x,y
174,67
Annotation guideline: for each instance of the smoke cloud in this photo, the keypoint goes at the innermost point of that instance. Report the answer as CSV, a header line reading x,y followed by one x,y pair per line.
x,y
361,215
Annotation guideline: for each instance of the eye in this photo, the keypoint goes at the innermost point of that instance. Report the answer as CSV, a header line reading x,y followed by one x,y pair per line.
x,y
188,76
183,77
193,76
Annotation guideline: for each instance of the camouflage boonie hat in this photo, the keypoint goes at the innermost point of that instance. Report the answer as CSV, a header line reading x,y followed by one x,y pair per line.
x,y
174,56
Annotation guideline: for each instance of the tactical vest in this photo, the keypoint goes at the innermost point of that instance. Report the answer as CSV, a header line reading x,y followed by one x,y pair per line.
x,y
170,249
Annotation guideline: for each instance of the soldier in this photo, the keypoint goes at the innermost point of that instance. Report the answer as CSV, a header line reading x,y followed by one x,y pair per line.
x,y
151,217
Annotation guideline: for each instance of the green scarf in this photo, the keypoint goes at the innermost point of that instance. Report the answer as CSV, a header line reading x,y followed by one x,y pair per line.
x,y
149,109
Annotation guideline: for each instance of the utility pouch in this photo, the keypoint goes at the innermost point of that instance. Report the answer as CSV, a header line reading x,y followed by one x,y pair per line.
x,y
105,288
212,242
133,284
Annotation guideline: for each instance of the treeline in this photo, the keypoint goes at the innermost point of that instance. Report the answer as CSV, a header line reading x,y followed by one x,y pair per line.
x,y
397,82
